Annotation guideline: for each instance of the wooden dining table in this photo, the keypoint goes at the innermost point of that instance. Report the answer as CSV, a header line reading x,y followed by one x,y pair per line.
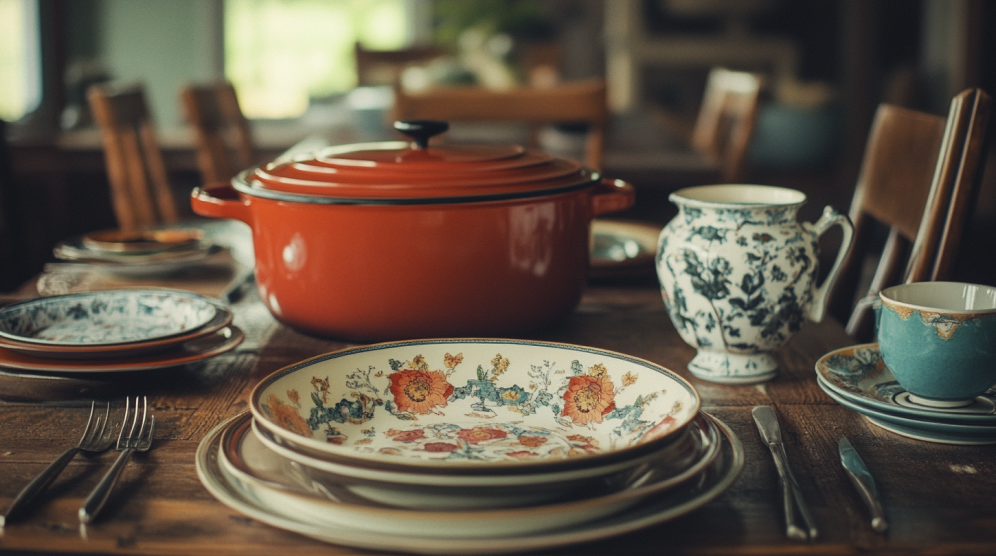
x,y
937,497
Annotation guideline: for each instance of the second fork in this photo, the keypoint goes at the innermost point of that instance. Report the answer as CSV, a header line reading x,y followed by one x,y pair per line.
x,y
138,438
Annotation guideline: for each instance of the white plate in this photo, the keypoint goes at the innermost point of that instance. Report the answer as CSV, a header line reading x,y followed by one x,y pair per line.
x,y
681,500
298,492
674,463
621,248
476,406
104,318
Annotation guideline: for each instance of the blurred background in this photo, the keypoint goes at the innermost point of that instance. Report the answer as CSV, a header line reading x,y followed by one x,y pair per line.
x,y
827,64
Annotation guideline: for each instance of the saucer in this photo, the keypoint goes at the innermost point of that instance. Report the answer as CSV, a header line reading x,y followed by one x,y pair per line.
x,y
685,498
919,429
859,374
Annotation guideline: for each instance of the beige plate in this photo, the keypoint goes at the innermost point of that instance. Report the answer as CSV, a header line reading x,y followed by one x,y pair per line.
x,y
687,497
323,498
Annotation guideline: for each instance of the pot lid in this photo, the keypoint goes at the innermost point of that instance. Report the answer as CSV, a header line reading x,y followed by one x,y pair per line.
x,y
401,172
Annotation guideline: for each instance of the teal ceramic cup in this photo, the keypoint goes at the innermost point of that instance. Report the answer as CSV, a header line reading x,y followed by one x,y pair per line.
x,y
939,340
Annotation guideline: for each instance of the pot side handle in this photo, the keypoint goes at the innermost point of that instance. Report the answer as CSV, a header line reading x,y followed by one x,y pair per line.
x,y
612,196
220,200
831,217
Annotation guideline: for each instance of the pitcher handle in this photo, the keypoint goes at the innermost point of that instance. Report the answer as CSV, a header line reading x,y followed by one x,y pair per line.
x,y
831,217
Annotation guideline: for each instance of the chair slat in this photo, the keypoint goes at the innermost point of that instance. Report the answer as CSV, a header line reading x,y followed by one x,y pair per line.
x,y
140,188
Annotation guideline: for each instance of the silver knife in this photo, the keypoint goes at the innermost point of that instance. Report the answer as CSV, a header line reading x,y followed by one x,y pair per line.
x,y
767,424
863,481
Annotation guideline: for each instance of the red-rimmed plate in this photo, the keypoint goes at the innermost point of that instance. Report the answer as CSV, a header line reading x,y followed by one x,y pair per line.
x,y
222,318
190,351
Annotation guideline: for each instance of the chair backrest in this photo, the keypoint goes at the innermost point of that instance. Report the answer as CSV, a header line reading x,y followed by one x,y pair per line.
x,y
956,183
221,132
8,270
384,67
918,174
576,102
140,190
726,120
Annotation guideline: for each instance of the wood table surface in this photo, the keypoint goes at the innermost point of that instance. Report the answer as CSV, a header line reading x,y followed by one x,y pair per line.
x,y
938,498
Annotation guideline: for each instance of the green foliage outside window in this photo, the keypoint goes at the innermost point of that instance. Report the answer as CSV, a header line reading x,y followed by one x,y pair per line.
x,y
279,54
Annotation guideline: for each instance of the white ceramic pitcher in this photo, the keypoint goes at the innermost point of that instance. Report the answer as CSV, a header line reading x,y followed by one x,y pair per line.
x,y
738,275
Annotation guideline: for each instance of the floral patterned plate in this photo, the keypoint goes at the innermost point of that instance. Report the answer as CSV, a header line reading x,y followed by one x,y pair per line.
x,y
696,448
222,318
105,317
859,374
476,406
716,479
297,491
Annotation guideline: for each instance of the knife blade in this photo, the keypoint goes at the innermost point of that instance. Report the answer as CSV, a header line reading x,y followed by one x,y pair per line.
x,y
862,479
767,425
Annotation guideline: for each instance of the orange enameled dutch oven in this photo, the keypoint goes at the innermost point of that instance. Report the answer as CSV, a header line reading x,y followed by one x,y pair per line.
x,y
389,241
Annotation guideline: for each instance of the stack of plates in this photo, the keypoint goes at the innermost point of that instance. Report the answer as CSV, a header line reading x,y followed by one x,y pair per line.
x,y
138,252
113,330
622,249
448,446
858,378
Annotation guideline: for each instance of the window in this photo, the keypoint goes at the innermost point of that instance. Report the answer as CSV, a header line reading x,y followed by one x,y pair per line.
x,y
20,58
280,54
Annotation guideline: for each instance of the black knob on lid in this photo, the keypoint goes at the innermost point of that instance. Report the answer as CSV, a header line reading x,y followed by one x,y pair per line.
x,y
421,130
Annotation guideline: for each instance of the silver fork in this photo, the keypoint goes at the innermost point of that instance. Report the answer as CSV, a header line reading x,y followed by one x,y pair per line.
x,y
139,438
97,437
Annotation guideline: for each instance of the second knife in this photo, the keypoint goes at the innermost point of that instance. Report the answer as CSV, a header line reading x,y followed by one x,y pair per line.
x,y
859,474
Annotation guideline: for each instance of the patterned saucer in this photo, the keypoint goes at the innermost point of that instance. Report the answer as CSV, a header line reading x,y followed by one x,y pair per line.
x,y
919,429
858,374
716,479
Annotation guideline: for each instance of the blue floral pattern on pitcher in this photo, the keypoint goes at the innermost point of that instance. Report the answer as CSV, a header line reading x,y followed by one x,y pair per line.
x,y
737,277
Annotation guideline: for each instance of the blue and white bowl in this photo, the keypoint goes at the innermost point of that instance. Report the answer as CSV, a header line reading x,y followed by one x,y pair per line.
x,y
105,317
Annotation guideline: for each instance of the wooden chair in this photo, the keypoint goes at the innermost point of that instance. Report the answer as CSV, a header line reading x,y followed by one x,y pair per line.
x,y
140,190
577,102
918,177
726,120
221,132
8,269
384,67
